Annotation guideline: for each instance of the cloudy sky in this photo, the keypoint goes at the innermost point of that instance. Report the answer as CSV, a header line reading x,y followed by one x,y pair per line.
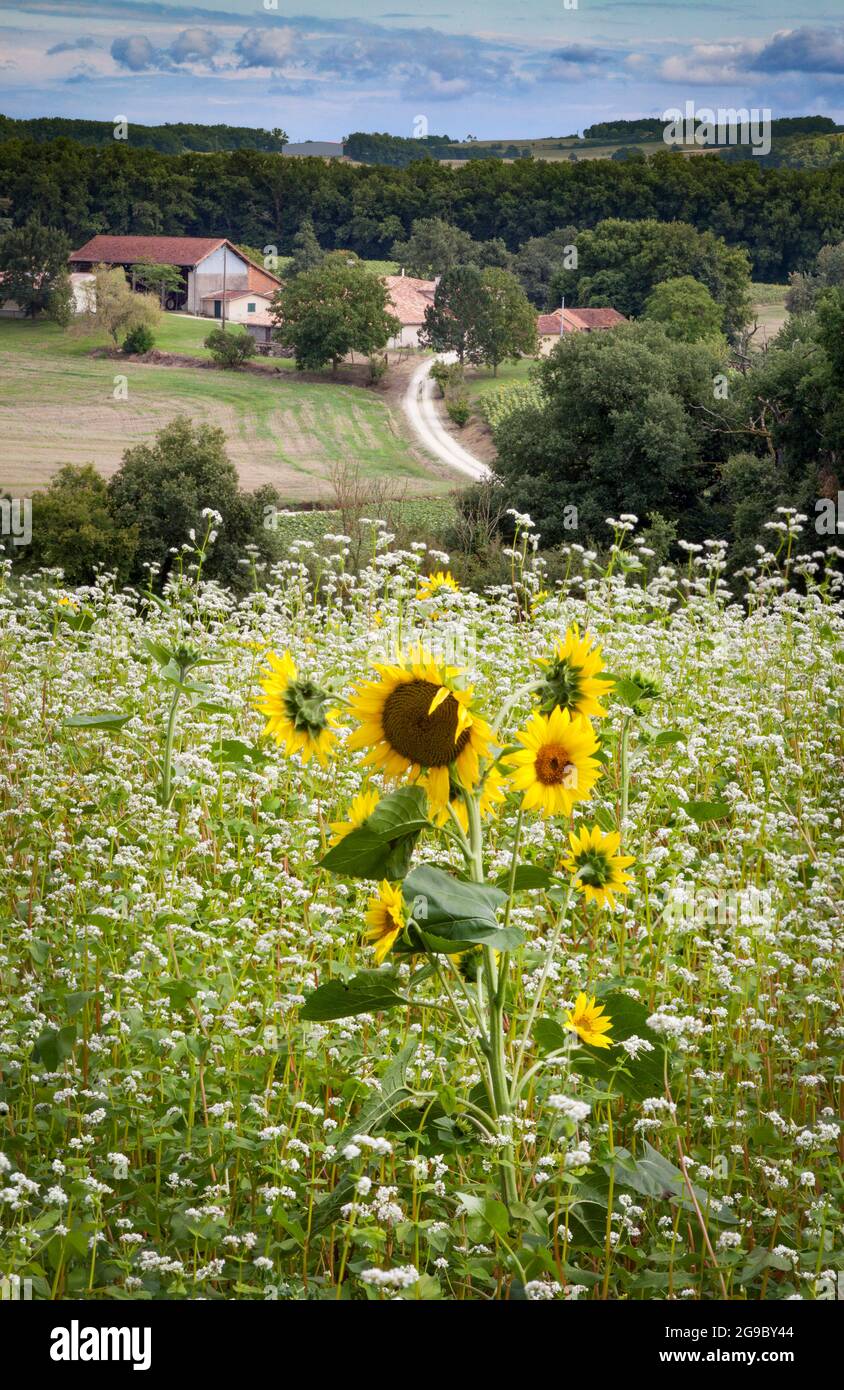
x,y
491,68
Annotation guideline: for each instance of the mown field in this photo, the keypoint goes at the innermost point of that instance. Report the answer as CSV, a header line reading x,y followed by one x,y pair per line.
x,y
206,1092
58,406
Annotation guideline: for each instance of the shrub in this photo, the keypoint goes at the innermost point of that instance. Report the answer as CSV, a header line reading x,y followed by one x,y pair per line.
x,y
459,408
139,339
230,349
73,528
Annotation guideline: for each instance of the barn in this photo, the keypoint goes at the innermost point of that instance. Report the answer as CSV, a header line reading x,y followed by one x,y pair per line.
x,y
207,264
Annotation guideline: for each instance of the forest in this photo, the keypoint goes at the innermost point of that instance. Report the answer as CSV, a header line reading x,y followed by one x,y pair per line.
x,y
782,216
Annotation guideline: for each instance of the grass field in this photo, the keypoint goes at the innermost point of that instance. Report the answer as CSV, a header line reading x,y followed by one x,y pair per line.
x,y
768,309
58,406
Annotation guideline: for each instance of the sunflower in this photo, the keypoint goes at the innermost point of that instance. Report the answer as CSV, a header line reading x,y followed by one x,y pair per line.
x,y
588,1020
415,720
571,676
359,812
432,584
555,766
493,792
598,865
385,919
297,717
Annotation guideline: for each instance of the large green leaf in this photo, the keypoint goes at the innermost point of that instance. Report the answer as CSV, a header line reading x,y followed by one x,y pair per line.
x,y
529,877
102,719
635,1078
382,848
655,1176
450,913
369,992
702,811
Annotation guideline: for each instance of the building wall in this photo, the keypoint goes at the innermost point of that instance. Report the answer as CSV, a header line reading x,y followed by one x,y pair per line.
x,y
208,276
237,310
409,337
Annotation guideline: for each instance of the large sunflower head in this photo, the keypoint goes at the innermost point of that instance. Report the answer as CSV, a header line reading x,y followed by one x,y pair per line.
x,y
430,585
556,765
359,812
298,716
571,676
385,919
600,869
415,720
589,1021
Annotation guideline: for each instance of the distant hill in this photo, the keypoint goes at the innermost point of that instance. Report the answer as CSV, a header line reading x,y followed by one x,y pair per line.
x,y
178,138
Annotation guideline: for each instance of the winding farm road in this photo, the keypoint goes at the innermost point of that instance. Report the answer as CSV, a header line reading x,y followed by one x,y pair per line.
x,y
421,411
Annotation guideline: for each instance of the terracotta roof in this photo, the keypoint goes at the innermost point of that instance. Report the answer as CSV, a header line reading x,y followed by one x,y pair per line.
x,y
578,321
164,250
157,250
409,298
237,294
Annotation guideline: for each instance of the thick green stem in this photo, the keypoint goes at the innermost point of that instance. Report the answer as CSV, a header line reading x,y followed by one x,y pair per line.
x,y
168,747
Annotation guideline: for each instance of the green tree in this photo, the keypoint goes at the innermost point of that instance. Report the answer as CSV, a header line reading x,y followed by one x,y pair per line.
x,y
433,247
335,309
33,262
157,279
686,310
619,263
307,252
506,326
622,426
230,348
114,307
538,261
163,487
450,323
73,528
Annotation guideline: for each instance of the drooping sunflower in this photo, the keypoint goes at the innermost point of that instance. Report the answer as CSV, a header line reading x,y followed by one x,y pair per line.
x,y
555,767
493,792
600,869
359,812
432,584
590,1022
385,919
415,720
571,676
298,716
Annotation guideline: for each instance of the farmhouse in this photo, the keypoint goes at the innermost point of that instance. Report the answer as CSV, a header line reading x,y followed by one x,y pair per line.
x,y
249,307
207,264
550,327
409,298
10,309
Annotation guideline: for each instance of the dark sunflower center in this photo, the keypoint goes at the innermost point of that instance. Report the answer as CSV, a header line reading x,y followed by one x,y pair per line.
x,y
563,686
553,767
595,869
427,739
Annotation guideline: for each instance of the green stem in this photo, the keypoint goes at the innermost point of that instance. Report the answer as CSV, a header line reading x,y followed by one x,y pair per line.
x,y
168,747
543,981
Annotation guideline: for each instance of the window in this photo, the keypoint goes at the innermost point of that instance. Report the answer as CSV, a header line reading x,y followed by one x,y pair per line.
x,y
250,308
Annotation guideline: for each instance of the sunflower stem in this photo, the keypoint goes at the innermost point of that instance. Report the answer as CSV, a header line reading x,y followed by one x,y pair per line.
x,y
543,981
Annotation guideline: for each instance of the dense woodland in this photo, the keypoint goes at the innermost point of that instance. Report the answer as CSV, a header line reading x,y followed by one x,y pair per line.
x,y
173,138
782,216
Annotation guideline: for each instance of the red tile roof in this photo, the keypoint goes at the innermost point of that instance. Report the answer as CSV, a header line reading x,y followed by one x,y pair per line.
x,y
164,250
409,298
578,321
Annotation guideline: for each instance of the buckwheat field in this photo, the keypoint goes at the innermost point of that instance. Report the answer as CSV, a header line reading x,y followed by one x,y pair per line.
x,y
368,938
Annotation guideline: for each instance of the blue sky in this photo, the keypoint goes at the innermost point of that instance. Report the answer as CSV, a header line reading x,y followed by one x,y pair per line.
x,y
491,68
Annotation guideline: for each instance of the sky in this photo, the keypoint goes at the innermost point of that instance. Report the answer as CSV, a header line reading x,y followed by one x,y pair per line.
x,y
320,69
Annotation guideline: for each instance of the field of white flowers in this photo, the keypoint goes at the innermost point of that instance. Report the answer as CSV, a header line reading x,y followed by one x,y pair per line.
x,y
177,1122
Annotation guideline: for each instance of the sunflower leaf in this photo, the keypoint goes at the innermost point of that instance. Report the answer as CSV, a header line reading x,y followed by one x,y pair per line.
x,y
383,846
369,992
449,913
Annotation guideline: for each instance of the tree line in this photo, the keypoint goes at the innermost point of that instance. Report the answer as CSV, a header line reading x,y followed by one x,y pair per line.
x,y
782,216
177,137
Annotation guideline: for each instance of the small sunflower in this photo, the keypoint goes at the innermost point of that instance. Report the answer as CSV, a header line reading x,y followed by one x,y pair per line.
x,y
359,812
555,767
385,919
599,867
432,584
571,676
493,793
588,1020
415,720
296,710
